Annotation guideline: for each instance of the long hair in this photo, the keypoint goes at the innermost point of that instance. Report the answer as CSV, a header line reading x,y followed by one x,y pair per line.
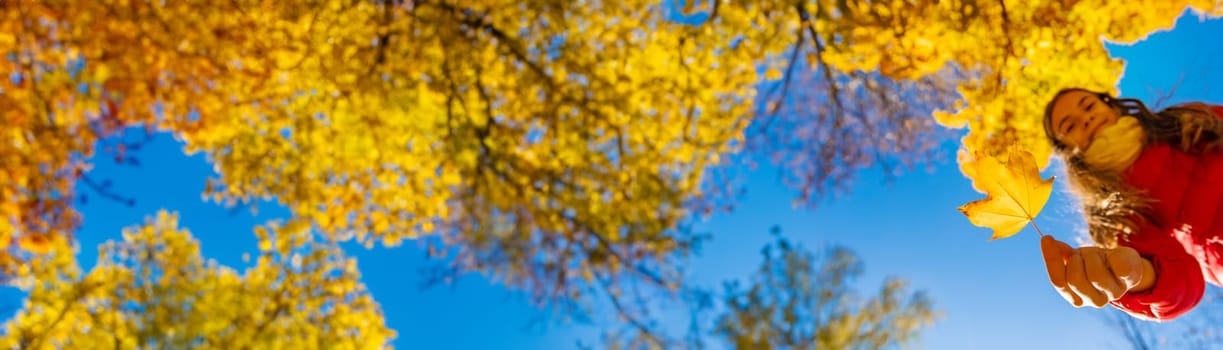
x,y
1112,207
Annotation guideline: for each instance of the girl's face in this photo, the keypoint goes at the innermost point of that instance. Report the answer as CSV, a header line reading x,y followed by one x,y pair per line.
x,y
1077,117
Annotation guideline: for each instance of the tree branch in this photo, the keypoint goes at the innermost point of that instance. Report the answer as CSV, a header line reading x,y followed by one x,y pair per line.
x,y
103,190
835,90
789,74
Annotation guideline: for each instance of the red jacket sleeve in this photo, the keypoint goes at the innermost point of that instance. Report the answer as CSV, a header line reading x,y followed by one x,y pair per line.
x,y
1178,277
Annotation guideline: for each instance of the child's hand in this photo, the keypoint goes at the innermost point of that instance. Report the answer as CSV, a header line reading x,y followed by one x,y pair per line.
x,y
1093,275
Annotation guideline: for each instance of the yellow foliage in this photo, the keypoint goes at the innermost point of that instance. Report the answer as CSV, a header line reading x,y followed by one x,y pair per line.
x,y
551,143
154,290
498,123
38,243
1027,51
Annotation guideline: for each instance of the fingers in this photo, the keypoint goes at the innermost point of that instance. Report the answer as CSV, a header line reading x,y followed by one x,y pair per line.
x,y
1055,254
1100,275
1076,276
1092,275
1125,263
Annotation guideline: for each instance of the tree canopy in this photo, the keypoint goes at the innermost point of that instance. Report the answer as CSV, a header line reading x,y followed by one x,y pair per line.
x,y
561,147
800,300
154,290
797,299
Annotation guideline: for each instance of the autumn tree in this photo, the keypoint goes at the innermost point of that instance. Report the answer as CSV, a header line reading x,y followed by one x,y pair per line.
x,y
797,299
1003,59
561,147
154,290
558,146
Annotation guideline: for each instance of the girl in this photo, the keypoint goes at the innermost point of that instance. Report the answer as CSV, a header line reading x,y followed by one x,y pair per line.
x,y
1151,186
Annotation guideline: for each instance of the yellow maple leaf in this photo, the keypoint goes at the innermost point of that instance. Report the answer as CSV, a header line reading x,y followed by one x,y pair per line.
x,y
1015,193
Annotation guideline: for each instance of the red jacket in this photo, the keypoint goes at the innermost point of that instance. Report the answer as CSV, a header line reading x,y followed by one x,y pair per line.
x,y
1185,242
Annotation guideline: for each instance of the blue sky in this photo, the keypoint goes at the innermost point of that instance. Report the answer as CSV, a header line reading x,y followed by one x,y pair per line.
x,y
994,295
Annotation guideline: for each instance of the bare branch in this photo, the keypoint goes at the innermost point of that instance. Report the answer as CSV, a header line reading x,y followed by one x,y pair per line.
x,y
103,189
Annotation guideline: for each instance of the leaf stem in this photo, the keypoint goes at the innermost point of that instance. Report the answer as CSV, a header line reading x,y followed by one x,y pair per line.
x,y
1033,223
